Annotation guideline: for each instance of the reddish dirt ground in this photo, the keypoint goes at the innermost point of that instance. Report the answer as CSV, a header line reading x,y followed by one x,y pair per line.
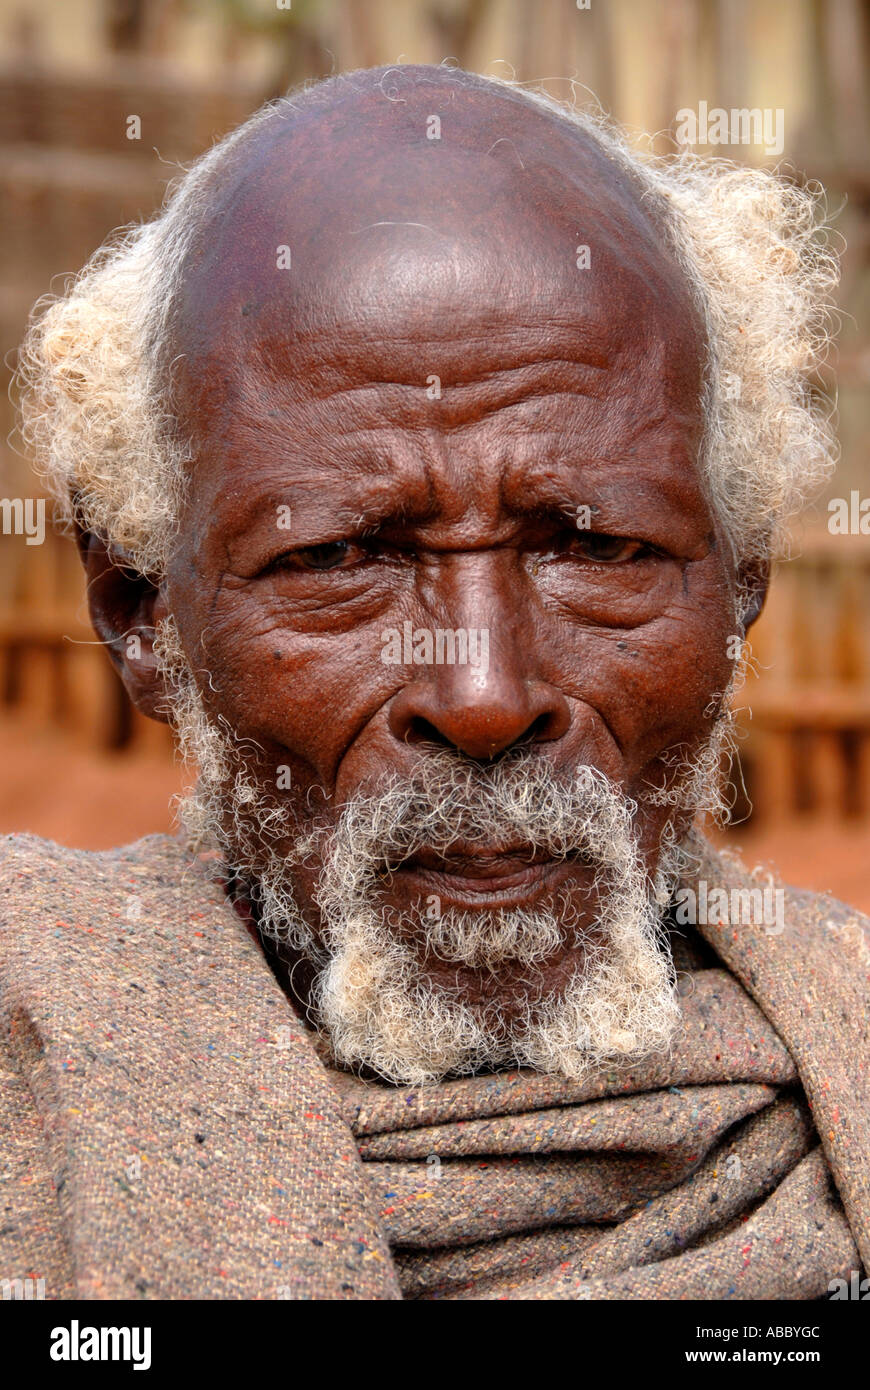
x,y
90,801
51,787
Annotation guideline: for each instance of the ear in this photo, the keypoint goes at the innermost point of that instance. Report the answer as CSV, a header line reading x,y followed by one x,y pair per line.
x,y
125,606
755,581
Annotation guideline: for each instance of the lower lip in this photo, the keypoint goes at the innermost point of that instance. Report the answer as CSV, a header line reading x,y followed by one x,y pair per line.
x,y
501,890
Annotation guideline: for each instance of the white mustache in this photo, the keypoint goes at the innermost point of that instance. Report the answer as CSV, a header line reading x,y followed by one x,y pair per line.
x,y
452,806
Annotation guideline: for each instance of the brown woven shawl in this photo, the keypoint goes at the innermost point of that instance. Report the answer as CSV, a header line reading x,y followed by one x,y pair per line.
x,y
169,1129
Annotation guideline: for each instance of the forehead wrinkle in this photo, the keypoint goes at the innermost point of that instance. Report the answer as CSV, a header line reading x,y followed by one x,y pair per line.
x,y
621,407
412,455
422,479
328,359
375,406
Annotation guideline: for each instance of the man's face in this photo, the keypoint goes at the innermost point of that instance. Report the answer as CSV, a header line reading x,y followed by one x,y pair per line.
x,y
439,420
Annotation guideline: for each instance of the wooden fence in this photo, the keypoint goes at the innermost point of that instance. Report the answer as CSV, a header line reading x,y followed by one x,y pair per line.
x,y
806,743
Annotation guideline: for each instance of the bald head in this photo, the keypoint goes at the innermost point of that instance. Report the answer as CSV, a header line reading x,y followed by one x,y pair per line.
x,y
469,153
405,207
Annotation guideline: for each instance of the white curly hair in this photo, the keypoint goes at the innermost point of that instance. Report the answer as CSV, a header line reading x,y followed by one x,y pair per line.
x,y
755,248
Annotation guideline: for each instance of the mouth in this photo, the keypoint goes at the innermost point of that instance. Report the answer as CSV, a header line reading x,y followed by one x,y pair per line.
x,y
485,877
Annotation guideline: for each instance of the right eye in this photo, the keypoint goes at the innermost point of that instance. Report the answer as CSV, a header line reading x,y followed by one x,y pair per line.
x,y
331,555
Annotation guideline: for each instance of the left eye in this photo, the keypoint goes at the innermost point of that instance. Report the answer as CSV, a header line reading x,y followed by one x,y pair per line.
x,y
608,550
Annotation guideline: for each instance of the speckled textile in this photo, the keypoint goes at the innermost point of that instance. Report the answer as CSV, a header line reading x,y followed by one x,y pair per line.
x,y
169,1129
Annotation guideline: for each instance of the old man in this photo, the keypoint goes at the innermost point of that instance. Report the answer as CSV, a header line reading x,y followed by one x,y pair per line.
x,y
427,455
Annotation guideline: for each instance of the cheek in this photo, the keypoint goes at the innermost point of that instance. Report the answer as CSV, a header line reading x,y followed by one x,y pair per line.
x,y
656,685
667,688
302,696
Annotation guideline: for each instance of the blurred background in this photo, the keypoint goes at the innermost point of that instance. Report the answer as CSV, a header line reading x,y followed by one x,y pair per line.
x,y
77,764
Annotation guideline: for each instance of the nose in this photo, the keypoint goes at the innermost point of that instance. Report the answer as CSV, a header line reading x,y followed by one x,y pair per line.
x,y
480,716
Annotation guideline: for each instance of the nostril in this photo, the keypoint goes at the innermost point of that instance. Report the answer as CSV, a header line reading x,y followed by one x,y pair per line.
x,y
420,730
540,729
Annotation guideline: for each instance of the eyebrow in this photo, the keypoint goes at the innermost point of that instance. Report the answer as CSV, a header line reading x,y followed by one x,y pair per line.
x,y
320,513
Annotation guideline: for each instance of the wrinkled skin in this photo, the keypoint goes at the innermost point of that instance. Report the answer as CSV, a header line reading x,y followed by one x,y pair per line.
x,y
560,387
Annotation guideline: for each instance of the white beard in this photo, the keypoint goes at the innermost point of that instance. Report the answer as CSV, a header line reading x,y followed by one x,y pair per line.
x,y
376,1004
